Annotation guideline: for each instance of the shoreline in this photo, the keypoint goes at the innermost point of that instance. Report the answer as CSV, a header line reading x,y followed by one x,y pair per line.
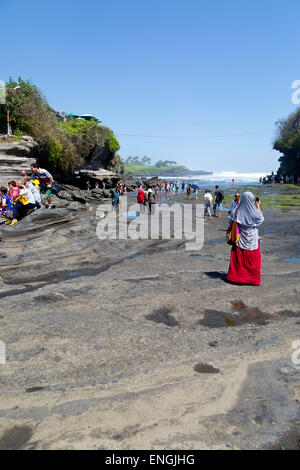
x,y
169,174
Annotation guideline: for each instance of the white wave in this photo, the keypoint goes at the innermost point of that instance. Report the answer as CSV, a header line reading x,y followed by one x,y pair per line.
x,y
228,176
223,176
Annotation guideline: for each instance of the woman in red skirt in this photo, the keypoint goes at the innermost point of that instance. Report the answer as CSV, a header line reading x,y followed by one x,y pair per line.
x,y
245,262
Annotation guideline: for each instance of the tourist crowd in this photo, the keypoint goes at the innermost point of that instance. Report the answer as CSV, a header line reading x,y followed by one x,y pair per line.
x,y
282,179
23,196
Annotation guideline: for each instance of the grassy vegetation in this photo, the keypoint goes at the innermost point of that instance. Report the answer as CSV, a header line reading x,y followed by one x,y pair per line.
x,y
283,198
279,198
152,170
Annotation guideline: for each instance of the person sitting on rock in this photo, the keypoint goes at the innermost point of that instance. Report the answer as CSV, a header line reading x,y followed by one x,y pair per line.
x,y
13,190
25,203
45,179
6,204
34,188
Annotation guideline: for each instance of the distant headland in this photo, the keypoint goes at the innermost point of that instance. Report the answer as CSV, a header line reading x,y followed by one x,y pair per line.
x,y
134,166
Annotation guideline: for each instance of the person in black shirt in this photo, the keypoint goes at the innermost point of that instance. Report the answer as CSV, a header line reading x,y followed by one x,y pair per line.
x,y
218,198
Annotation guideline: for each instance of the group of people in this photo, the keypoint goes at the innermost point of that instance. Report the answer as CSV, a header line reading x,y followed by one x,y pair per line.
x,y
146,199
120,190
281,179
214,201
244,212
191,190
101,185
23,196
288,179
165,187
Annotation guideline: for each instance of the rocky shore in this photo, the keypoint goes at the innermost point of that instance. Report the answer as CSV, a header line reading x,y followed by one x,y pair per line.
x,y
140,344
16,156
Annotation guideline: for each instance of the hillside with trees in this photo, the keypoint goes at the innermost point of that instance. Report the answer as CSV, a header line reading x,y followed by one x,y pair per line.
x,y
137,166
144,167
288,143
64,144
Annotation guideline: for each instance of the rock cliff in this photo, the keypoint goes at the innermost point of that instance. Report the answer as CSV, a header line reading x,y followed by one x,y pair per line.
x,y
16,156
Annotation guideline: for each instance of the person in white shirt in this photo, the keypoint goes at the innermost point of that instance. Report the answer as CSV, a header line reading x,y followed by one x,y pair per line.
x,y
45,179
25,204
35,191
208,199
151,199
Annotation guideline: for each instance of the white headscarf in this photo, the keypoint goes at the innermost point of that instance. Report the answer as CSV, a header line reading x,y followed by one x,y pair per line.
x,y
247,213
248,219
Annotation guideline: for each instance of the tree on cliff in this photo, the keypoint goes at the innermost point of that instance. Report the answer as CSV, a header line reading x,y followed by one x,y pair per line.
x,y
288,143
161,163
137,161
64,143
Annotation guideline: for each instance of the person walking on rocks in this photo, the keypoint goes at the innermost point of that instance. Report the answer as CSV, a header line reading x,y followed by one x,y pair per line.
x,y
151,198
218,198
208,202
115,200
141,199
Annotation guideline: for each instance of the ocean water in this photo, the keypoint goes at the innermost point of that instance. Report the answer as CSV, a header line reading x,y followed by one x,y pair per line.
x,y
223,179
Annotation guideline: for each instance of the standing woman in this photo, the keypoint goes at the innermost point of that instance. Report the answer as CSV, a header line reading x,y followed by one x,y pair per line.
x,y
245,263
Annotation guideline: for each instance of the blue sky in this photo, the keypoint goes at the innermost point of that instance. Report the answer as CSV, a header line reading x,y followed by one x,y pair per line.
x,y
190,72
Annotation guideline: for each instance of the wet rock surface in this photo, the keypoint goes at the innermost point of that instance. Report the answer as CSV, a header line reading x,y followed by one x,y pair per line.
x,y
137,344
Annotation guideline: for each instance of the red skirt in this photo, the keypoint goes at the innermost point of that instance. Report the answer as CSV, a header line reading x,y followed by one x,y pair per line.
x,y
244,266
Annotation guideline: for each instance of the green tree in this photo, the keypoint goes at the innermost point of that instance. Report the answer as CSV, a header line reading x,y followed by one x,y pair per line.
x,y
64,143
288,143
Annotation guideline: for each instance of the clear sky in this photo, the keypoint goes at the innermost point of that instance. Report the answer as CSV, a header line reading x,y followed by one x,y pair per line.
x,y
197,73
